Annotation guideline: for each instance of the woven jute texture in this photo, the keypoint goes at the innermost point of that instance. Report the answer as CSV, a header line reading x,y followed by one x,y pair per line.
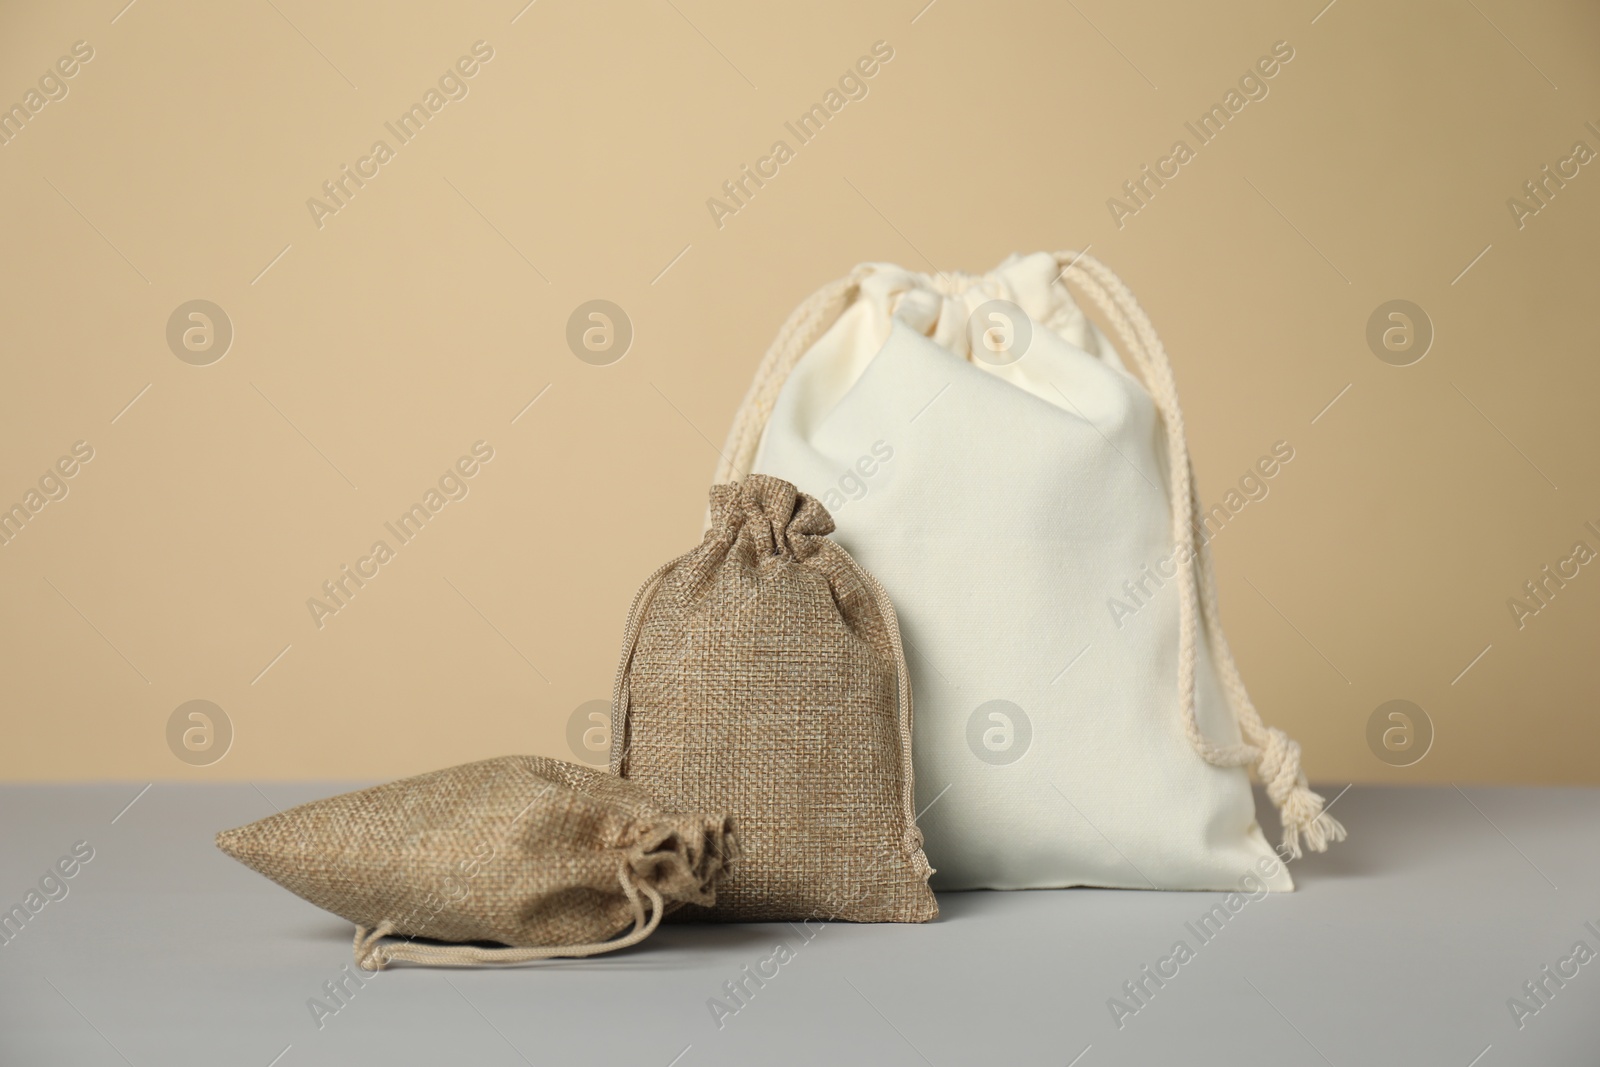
x,y
762,675
520,850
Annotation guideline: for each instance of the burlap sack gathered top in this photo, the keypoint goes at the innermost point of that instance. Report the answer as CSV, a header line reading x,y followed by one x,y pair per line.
x,y
545,857
762,674
989,456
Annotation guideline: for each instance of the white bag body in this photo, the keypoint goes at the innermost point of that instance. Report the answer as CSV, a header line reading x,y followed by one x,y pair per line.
x,y
1004,476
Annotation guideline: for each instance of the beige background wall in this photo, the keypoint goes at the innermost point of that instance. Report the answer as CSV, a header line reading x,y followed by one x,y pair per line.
x,y
425,315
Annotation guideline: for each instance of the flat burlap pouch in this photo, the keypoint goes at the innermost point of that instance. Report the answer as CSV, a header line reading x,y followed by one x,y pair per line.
x,y
762,675
545,856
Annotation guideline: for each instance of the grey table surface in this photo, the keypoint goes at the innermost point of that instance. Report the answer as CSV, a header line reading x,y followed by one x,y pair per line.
x,y
1405,945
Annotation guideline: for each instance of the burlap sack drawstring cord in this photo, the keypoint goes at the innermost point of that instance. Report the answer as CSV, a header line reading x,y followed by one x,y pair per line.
x,y
1274,755
372,955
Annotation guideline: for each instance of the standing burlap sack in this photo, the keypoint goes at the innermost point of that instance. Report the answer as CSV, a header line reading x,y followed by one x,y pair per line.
x,y
546,856
762,675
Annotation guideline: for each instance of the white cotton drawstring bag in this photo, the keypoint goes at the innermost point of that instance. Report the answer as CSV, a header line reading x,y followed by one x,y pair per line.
x,y
984,451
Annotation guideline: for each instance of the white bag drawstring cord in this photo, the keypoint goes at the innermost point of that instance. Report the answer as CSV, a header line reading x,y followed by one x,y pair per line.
x,y
1274,755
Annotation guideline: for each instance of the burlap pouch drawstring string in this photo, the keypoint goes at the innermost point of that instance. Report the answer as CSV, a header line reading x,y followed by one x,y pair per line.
x,y
372,955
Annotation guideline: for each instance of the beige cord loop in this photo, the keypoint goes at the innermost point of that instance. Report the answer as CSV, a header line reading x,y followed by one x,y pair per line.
x,y
1275,757
372,955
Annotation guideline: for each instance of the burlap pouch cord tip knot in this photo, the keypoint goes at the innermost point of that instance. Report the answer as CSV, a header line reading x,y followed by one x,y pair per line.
x,y
763,673
544,857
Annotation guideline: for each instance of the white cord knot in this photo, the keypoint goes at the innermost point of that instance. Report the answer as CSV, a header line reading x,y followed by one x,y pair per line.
x,y
1279,765
1299,808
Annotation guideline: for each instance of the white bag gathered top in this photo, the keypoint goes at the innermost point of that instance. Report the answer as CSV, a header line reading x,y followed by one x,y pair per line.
x,y
985,453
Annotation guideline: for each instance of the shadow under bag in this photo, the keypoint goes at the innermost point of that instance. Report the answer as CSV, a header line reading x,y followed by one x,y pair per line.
x,y
1031,505
762,674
